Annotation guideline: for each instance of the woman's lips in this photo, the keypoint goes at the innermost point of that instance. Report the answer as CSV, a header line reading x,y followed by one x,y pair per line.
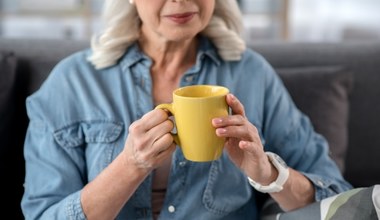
x,y
181,18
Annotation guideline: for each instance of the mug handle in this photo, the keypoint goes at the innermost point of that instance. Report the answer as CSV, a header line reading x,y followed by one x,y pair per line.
x,y
169,107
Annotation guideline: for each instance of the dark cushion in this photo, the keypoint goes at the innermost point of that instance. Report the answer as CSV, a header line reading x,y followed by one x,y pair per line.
x,y
7,104
11,135
322,93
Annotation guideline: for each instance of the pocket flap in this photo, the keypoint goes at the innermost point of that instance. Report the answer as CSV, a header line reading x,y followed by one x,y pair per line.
x,y
94,131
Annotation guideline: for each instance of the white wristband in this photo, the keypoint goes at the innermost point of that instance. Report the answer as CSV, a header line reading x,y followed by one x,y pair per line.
x,y
283,175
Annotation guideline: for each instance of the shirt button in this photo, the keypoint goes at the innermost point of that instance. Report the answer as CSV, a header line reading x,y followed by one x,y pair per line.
x,y
182,164
320,183
189,78
171,209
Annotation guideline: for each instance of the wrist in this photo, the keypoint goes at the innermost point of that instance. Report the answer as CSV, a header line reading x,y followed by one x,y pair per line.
x,y
129,163
273,174
266,173
279,175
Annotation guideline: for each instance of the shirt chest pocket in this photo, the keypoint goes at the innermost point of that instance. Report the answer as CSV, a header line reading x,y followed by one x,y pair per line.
x,y
98,140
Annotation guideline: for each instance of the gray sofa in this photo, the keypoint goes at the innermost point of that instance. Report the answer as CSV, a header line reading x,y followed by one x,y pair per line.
x,y
336,84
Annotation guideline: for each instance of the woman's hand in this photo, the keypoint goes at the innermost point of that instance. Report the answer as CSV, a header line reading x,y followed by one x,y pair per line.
x,y
243,143
149,142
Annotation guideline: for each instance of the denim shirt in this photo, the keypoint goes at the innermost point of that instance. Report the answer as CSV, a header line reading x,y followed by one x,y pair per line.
x,y
79,121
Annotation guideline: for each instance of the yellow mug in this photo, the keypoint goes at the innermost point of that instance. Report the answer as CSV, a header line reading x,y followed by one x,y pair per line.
x,y
193,108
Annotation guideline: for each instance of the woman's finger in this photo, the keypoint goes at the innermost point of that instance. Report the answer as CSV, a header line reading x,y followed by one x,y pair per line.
x,y
231,120
162,143
235,105
151,119
246,133
161,129
165,154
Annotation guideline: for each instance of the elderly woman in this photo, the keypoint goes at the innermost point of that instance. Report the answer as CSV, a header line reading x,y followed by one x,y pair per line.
x,y
97,149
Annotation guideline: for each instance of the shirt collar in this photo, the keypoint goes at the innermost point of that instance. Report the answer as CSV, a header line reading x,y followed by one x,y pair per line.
x,y
134,55
208,49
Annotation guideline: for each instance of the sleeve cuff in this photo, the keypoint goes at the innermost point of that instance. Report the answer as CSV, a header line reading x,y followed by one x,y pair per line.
x,y
325,187
74,207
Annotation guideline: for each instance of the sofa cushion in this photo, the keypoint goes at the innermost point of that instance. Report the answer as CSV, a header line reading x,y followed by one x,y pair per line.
x,y
322,93
11,134
7,104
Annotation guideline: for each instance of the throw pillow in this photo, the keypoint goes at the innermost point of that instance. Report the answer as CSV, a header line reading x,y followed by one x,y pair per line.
x,y
322,93
358,203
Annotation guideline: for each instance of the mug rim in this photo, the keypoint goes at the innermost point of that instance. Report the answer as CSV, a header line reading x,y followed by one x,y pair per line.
x,y
225,92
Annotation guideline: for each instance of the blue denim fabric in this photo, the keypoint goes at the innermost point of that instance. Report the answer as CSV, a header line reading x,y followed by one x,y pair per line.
x,y
79,120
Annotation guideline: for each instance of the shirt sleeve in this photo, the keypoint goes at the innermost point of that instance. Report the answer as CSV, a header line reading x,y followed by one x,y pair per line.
x,y
289,133
55,174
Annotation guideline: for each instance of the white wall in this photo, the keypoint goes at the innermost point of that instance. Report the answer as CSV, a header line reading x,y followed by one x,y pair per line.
x,y
310,20
334,20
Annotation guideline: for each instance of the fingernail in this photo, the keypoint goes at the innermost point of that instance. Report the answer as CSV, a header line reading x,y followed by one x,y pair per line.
x,y
221,130
217,121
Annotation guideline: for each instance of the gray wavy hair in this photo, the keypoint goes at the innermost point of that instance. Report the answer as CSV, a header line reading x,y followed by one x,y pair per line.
x,y
122,28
